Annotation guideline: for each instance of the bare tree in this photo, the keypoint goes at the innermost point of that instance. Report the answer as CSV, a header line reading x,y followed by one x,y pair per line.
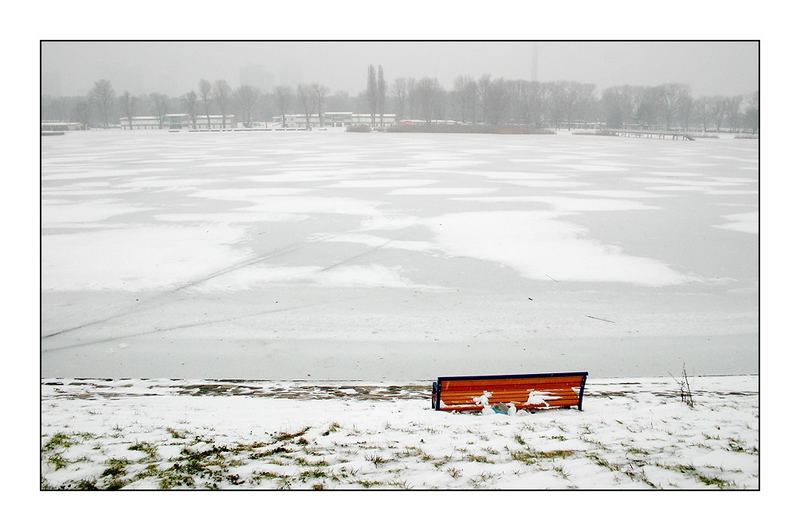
x,y
516,96
672,97
411,97
732,112
339,100
306,99
751,114
428,91
372,93
320,91
586,109
247,97
190,104
575,99
128,104
484,84
83,114
536,102
265,103
204,87
701,109
719,107
399,95
624,99
380,100
647,101
102,96
466,93
222,96
495,101
685,107
160,104
283,97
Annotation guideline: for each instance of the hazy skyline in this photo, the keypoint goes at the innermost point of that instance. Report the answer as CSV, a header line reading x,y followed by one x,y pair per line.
x,y
70,68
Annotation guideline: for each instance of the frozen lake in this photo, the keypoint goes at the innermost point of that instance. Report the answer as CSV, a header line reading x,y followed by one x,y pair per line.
x,y
396,256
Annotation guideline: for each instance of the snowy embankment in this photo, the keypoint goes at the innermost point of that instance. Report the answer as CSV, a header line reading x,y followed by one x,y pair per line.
x,y
633,434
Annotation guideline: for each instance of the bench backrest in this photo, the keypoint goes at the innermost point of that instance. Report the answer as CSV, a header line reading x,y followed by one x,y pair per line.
x,y
525,391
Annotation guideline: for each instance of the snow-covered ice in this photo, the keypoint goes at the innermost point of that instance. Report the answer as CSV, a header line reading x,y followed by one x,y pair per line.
x,y
259,255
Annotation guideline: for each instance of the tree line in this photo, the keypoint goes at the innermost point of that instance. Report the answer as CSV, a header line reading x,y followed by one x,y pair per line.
x,y
483,100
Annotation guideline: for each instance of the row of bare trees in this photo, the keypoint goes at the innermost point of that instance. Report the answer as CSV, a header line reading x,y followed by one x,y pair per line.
x,y
483,100
494,101
672,106
570,104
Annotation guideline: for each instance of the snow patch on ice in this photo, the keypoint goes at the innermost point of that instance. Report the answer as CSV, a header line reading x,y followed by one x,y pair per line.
x,y
540,246
264,201
515,175
625,194
744,222
441,191
137,258
567,204
377,241
230,217
384,222
231,163
543,183
66,214
367,275
381,183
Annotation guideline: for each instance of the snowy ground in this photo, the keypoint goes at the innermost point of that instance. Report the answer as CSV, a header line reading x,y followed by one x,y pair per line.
x,y
322,255
152,434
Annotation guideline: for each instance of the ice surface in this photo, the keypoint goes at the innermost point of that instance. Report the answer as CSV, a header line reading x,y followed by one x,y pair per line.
x,y
567,204
382,183
441,191
745,222
278,255
67,213
366,275
137,258
538,243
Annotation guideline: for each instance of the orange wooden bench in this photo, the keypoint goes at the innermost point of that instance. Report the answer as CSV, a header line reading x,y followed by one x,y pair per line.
x,y
525,391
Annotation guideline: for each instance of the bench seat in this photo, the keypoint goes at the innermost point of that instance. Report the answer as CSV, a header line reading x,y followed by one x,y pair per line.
x,y
525,391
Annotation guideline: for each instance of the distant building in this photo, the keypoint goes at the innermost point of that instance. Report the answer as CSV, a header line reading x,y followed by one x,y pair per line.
x,y
56,125
139,122
366,119
335,119
215,119
178,121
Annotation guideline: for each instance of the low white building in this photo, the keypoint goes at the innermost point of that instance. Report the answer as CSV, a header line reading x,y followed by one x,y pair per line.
x,y
334,119
139,122
215,121
366,119
178,121
295,121
57,125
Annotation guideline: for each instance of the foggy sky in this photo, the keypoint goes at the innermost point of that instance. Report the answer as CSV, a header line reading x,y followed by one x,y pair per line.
x,y
69,69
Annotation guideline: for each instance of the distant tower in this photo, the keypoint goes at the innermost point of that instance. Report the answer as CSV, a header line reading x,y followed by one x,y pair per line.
x,y
535,63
